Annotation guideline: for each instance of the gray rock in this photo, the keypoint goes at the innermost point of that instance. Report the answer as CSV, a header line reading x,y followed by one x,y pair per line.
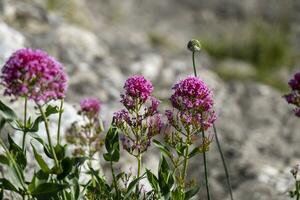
x,y
10,41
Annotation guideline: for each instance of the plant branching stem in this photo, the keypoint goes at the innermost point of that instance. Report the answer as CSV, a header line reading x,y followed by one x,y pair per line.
x,y
48,134
25,125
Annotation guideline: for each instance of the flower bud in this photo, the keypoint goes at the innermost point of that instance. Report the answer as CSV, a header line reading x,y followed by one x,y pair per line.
x,y
194,45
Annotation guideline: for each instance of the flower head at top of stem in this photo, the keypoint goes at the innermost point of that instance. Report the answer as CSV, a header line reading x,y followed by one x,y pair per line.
x,y
193,103
35,75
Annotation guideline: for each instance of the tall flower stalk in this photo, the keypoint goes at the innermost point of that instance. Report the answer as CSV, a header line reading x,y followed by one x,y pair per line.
x,y
36,76
192,113
195,46
139,121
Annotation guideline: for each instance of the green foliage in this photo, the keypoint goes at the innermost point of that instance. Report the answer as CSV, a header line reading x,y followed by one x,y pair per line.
x,y
266,47
112,145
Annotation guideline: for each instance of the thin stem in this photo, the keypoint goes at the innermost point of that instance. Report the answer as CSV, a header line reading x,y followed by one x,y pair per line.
x,y
59,120
218,142
206,171
114,179
48,134
194,65
224,162
139,162
25,125
297,189
186,160
139,158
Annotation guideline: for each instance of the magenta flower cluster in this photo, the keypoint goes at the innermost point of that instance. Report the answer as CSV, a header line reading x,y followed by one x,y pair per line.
x,y
35,75
294,96
90,107
194,104
139,121
137,90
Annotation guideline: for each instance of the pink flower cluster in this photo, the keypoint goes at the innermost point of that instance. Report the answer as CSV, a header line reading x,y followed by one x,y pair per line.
x,y
294,96
90,107
35,75
194,103
139,121
137,90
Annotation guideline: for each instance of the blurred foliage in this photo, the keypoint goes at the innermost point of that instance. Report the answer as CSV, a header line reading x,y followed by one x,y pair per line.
x,y
267,47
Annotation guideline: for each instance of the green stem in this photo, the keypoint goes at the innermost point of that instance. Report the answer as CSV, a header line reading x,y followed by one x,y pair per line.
x,y
206,171
114,179
139,162
297,189
186,160
218,142
48,134
59,120
25,125
194,65
224,162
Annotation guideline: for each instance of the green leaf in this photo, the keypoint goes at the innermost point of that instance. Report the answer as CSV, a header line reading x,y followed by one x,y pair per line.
x,y
152,180
6,112
43,165
60,151
132,185
66,164
194,152
191,193
1,194
165,177
35,125
47,190
163,148
78,161
51,110
42,175
112,145
4,160
180,149
17,153
7,185
2,123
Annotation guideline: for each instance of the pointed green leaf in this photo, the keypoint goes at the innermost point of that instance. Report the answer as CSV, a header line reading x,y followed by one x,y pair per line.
x,y
163,148
191,193
7,185
6,112
47,190
43,165
17,153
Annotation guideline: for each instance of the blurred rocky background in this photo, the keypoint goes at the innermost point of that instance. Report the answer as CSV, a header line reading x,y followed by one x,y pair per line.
x,y
250,50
